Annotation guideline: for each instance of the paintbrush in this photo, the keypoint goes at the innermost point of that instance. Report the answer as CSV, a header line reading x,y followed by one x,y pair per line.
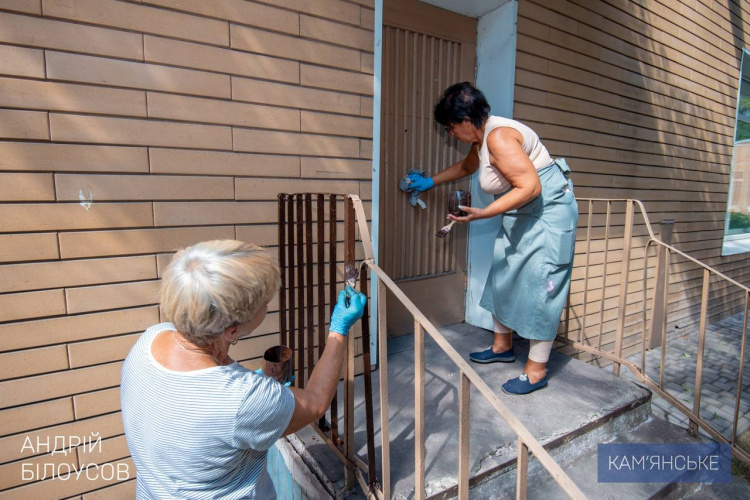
x,y
445,229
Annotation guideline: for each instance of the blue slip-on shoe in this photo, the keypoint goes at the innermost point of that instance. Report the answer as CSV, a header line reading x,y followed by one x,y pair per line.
x,y
488,356
521,385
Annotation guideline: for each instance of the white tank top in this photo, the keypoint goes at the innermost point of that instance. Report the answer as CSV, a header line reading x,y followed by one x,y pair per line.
x,y
490,179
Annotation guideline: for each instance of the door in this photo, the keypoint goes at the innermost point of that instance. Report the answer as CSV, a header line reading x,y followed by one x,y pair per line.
x,y
425,49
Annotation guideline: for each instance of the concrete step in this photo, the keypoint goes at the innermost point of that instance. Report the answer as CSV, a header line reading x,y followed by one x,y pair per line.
x,y
579,460
581,402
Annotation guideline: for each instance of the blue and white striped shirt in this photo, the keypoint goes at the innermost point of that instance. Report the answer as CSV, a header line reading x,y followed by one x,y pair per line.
x,y
202,434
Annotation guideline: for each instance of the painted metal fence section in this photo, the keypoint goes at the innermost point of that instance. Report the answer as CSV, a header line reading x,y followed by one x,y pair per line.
x,y
643,309
303,246
297,332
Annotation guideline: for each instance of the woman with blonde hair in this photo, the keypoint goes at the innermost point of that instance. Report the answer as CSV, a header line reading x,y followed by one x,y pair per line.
x,y
199,424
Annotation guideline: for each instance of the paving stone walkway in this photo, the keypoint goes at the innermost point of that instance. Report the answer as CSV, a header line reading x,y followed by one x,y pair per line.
x,y
721,363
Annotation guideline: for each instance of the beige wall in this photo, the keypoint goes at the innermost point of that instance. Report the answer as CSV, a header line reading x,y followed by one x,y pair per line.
x,y
640,97
176,121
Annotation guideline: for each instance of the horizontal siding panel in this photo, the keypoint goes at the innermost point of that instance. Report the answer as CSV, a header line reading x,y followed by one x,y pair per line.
x,y
268,189
16,306
138,75
33,416
50,34
333,79
65,489
20,61
222,112
95,352
333,32
26,247
193,55
71,157
244,89
32,362
107,426
26,187
17,93
103,297
95,129
16,124
336,168
240,11
331,9
60,216
41,387
41,275
96,403
180,161
28,6
212,213
128,242
73,328
99,298
273,44
261,141
325,123
140,18
143,187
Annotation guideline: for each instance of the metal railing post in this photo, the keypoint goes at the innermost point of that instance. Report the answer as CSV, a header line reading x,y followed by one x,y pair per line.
x,y
349,258
659,309
419,479
623,284
385,431
693,428
464,435
522,469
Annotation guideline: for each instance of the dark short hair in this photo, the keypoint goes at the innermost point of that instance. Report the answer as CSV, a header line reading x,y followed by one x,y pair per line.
x,y
459,101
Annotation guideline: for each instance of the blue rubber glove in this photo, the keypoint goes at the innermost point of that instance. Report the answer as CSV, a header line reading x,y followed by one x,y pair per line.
x,y
419,183
344,317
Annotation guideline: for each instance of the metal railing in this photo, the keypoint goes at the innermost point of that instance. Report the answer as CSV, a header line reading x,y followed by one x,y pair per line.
x,y
654,332
611,232
354,210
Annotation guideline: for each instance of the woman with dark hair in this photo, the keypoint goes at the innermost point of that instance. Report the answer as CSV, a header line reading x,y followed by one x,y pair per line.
x,y
533,256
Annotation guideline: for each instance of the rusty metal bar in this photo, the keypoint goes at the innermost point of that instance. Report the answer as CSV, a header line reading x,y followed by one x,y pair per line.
x,y
370,429
349,258
332,241
385,431
604,274
419,450
623,284
659,310
742,366
522,471
664,331
309,287
644,319
290,255
321,220
693,428
464,435
582,333
283,329
300,294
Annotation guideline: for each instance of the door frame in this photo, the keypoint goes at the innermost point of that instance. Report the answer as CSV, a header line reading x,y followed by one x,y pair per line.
x,y
495,60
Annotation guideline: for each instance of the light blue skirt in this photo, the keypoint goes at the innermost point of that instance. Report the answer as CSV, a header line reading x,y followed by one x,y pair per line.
x,y
529,280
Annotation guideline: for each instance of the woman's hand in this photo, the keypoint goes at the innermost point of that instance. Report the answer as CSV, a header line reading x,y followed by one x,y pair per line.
x,y
472,213
420,183
344,316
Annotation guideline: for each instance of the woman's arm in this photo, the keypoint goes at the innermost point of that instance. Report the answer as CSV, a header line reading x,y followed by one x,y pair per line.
x,y
312,402
507,155
458,170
